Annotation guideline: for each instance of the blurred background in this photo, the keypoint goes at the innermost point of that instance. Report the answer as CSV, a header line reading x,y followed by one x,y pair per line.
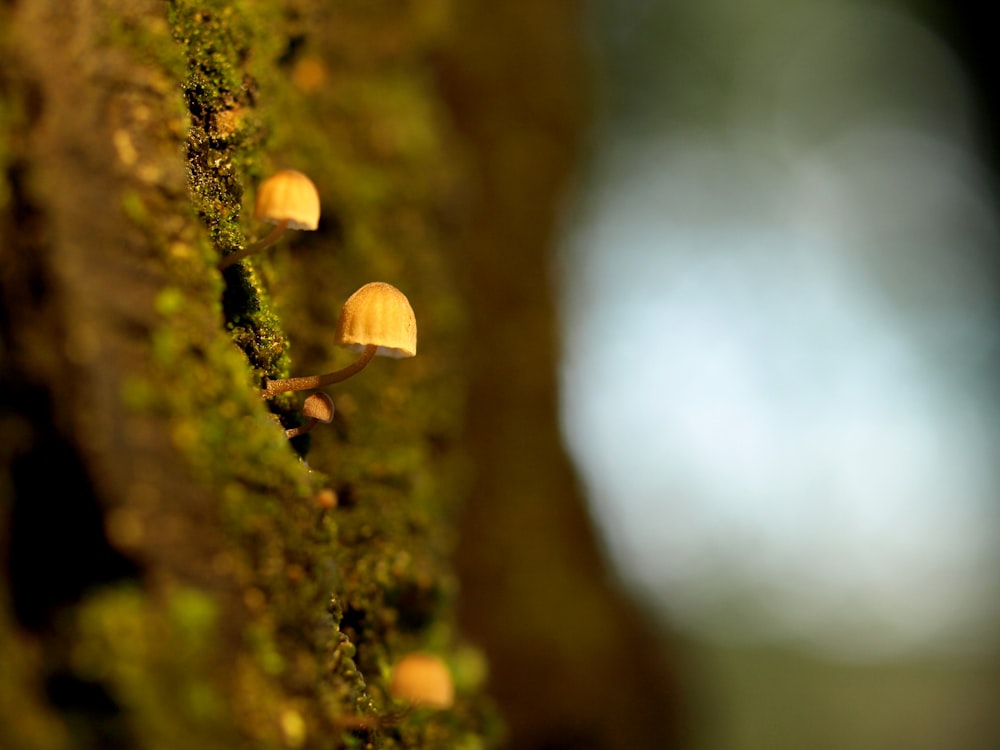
x,y
778,281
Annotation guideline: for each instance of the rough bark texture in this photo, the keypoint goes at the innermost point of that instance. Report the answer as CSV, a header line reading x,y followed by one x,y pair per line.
x,y
172,574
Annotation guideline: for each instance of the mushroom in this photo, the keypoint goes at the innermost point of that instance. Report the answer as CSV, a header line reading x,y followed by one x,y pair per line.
x,y
318,407
423,680
288,199
376,320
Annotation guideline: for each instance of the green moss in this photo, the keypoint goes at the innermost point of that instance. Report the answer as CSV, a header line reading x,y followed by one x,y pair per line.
x,y
312,609
225,44
154,657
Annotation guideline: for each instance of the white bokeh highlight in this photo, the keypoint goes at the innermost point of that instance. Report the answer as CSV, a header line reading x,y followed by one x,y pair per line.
x,y
777,372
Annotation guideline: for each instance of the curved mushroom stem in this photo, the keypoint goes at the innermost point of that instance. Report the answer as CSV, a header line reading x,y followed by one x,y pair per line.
x,y
256,247
301,429
311,382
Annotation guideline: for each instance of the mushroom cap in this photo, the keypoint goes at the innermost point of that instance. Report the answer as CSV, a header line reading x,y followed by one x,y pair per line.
x,y
318,406
379,314
423,680
288,196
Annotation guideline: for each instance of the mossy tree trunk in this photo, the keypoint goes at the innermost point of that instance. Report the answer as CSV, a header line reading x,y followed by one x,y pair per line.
x,y
173,574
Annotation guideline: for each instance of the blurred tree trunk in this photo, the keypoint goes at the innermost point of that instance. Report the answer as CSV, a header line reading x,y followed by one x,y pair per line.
x,y
574,664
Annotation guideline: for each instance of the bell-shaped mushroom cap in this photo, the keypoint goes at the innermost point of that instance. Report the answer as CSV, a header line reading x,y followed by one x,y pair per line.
x,y
423,680
378,314
318,406
288,196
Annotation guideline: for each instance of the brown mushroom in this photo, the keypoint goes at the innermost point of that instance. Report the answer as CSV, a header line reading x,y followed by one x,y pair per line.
x,y
423,680
318,407
376,320
287,199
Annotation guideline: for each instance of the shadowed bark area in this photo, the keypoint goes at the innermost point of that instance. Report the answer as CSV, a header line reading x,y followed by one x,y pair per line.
x,y
573,663
173,572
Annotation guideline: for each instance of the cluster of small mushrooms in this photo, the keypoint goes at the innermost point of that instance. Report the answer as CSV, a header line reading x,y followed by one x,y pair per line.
x,y
376,321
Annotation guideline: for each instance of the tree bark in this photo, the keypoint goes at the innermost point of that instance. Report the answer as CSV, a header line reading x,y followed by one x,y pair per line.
x,y
172,572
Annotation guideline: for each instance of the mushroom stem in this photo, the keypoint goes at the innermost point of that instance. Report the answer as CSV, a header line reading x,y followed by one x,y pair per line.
x,y
256,247
310,382
302,429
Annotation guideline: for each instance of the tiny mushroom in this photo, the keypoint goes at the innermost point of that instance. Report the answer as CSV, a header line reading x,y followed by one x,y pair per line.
x,y
423,680
288,199
318,407
376,320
